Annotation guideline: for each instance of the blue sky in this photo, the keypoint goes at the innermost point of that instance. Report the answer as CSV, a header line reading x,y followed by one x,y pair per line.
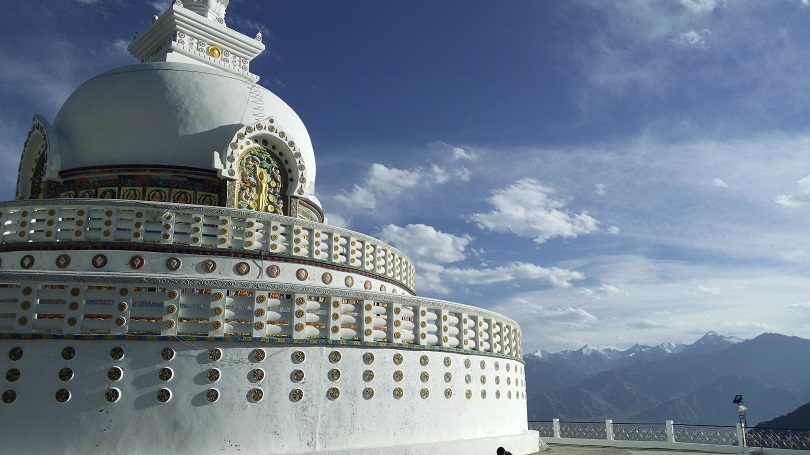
x,y
604,172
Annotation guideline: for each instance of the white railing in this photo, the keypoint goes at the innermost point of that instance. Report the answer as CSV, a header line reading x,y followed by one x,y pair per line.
x,y
188,226
71,304
672,436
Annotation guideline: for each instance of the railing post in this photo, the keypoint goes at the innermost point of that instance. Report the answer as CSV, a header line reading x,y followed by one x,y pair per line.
x,y
555,426
609,430
670,431
741,438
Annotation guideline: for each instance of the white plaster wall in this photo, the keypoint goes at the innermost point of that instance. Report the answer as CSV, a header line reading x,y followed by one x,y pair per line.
x,y
138,423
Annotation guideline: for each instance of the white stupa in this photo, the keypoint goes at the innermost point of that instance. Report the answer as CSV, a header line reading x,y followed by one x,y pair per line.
x,y
167,284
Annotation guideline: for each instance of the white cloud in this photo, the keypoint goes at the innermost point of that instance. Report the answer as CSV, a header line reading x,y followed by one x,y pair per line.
x,y
692,38
599,189
161,5
613,230
801,196
121,46
644,324
336,220
604,290
699,6
709,290
421,242
528,209
381,181
529,312
513,272
461,154
720,183
804,306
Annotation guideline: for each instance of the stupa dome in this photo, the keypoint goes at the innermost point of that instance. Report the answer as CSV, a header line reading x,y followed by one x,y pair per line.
x,y
167,113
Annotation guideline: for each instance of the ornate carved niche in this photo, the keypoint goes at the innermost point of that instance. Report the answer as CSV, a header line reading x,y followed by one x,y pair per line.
x,y
261,183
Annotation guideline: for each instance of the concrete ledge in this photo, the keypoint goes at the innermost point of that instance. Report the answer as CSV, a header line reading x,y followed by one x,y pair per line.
x,y
520,444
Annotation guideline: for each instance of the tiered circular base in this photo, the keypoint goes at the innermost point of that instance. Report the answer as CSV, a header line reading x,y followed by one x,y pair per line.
x,y
159,395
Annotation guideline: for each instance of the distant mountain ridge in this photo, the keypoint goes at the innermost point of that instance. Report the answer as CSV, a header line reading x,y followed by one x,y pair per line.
x,y
688,384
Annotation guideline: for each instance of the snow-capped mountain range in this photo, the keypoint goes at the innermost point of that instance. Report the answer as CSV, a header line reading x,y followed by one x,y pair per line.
x,y
708,343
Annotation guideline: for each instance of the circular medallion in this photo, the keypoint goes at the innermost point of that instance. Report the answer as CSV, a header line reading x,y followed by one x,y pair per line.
x,y
62,261
209,265
424,393
335,356
468,379
483,365
367,285
112,395
136,262
448,393
468,394
165,374
257,375
214,354
27,261
368,375
68,353
117,353
173,264
497,366
9,396
256,394
301,274
368,358
467,363
424,376
297,375
115,374
497,379
398,375
424,360
213,375
326,278
483,394
507,367
349,281
167,354
65,374
333,393
273,271
368,393
447,361
398,392
448,377
296,395
298,357
211,395
62,395
242,268
99,261
334,374
483,379
258,355
508,381
382,288
12,375
398,358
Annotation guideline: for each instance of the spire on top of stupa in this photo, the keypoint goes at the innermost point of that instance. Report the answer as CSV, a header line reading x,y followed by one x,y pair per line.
x,y
194,31
212,9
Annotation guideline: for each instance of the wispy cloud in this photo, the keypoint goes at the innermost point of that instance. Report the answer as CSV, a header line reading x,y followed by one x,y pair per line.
x,y
644,324
800,197
692,38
